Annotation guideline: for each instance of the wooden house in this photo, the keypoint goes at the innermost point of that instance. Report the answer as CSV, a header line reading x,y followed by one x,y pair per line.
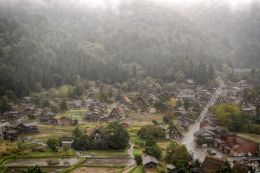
x,y
10,135
242,168
97,134
175,133
66,142
27,128
12,116
64,121
212,164
206,135
171,168
90,96
185,122
149,162
115,113
92,116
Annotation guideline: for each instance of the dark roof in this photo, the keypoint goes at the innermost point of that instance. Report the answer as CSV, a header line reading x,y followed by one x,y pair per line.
x,y
241,168
211,164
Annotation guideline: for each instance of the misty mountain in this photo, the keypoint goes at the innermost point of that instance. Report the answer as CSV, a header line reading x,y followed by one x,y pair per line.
x,y
50,43
235,28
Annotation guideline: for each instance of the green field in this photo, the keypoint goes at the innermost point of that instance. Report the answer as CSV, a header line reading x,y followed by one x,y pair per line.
x,y
138,169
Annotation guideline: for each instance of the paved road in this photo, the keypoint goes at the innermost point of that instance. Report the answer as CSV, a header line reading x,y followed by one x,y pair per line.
x,y
188,139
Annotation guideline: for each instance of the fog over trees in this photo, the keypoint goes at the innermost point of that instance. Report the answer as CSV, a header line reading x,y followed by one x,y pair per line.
x,y
46,43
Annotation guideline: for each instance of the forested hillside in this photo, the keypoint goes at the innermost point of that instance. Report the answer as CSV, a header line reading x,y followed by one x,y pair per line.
x,y
47,43
236,28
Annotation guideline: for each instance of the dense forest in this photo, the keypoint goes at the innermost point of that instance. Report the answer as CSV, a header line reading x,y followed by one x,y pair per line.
x,y
50,43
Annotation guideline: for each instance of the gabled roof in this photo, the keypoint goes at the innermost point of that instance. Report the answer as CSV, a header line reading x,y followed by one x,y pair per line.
x,y
241,168
212,164
203,132
149,159
171,167
29,124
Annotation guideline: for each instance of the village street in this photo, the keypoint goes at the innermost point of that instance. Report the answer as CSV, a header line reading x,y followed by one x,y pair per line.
x,y
188,140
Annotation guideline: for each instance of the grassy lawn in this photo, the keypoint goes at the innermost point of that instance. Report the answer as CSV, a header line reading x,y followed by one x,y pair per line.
x,y
136,151
51,131
74,114
97,170
48,131
144,119
106,153
163,144
133,131
138,169
46,154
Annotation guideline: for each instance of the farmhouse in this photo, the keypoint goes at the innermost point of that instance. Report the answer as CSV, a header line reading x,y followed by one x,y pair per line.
x,y
90,96
211,164
66,142
205,135
149,162
97,134
10,135
241,168
92,116
12,116
171,168
141,103
27,128
115,113
64,121
174,133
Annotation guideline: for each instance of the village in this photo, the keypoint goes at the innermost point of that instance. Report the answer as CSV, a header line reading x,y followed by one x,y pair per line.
x,y
160,114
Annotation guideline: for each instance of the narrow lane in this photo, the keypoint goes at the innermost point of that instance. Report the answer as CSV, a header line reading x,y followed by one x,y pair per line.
x,y
188,139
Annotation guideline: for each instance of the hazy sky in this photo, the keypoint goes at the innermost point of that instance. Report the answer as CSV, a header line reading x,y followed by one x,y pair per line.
x,y
232,3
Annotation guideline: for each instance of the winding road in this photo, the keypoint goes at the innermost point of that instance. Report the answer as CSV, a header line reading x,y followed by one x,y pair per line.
x,y
188,140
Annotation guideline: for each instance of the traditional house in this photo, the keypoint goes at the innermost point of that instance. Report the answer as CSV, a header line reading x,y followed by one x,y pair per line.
x,y
90,96
208,123
29,110
29,100
149,162
185,122
97,134
93,116
221,100
125,100
174,133
241,168
249,111
115,113
27,128
48,120
10,135
212,164
64,121
75,104
141,103
205,135
171,168
66,142
12,116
